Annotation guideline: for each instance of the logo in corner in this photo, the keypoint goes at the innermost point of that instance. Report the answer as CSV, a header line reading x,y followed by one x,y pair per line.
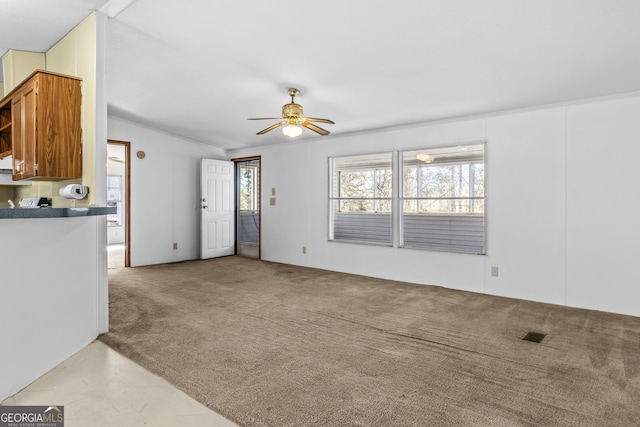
x,y
32,416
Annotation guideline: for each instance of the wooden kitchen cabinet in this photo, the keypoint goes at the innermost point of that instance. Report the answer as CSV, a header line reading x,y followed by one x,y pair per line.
x,y
46,133
5,128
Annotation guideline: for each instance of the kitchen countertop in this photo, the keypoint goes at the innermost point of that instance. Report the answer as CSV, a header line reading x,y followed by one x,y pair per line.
x,y
10,213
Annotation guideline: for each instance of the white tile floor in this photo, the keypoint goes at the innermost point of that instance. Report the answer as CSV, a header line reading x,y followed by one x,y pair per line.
x,y
115,256
101,388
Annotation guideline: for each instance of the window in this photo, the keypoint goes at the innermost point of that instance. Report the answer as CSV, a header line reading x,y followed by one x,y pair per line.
x,y
114,198
361,198
440,202
248,215
443,199
248,176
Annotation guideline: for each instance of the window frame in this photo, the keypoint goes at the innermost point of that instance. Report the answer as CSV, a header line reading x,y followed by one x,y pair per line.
x,y
335,197
398,199
401,213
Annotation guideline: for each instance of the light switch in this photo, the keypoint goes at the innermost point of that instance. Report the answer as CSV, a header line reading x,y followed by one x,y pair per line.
x,y
272,201
273,191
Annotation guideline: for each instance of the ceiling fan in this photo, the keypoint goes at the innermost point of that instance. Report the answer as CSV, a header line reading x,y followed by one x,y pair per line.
x,y
293,118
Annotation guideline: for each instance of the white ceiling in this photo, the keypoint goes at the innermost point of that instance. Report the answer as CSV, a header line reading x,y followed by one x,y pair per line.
x,y
200,68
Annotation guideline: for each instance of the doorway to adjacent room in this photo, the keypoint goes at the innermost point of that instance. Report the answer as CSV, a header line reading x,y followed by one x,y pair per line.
x,y
118,195
248,206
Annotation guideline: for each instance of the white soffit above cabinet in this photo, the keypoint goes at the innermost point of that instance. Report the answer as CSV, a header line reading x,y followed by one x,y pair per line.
x,y
36,25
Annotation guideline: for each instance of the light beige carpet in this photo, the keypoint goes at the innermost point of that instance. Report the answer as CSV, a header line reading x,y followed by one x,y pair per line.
x,y
268,344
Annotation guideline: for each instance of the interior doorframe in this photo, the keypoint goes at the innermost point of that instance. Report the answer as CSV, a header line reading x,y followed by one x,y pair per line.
x,y
237,189
127,198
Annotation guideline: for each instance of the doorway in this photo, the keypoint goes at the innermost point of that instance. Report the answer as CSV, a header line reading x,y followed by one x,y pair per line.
x,y
248,206
119,196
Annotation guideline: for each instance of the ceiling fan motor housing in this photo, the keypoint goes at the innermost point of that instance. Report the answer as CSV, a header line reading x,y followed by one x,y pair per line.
x,y
293,117
291,110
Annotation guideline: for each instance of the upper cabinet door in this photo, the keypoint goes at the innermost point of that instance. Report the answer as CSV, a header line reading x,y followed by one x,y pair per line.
x,y
29,127
46,128
16,136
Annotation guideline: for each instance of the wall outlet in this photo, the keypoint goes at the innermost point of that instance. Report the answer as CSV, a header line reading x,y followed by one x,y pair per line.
x,y
304,249
494,271
175,245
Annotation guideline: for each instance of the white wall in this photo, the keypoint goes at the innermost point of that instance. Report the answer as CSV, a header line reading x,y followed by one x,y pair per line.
x,y
603,224
165,189
48,295
561,225
526,205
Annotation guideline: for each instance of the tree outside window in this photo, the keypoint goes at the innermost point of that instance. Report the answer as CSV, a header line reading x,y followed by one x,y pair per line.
x,y
248,188
366,190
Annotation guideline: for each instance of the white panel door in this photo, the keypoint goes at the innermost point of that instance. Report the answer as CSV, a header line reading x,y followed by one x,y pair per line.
x,y
217,201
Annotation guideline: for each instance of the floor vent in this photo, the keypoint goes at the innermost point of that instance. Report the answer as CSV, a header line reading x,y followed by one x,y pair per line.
x,y
536,337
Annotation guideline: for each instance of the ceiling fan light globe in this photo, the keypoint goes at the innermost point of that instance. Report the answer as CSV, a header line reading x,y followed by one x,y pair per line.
x,y
292,131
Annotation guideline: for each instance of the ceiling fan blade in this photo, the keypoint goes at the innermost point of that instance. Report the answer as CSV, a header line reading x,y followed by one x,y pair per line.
x,y
314,119
267,118
272,127
314,128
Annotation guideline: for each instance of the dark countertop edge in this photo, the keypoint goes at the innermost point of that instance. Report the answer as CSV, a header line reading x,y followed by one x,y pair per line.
x,y
11,213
